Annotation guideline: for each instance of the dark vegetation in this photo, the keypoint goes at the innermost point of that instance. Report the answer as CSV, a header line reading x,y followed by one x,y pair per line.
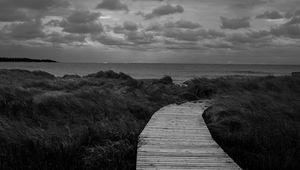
x,y
93,122
255,120
74,122
4,59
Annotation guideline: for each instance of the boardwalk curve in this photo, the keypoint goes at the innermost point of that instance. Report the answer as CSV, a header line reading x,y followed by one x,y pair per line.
x,y
176,137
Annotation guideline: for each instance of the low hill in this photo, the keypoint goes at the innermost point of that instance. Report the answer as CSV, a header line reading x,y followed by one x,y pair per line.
x,y
5,59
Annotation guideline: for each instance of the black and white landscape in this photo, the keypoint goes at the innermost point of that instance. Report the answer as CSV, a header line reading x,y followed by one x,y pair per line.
x,y
149,84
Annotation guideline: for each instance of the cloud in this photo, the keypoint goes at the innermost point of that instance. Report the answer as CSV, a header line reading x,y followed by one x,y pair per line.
x,y
112,5
180,24
11,15
58,38
84,28
164,10
53,22
183,30
130,26
270,15
139,37
294,20
83,17
182,35
148,0
248,3
119,30
24,10
127,26
218,45
25,30
291,31
34,4
110,40
253,38
291,14
82,22
192,35
183,24
156,27
235,23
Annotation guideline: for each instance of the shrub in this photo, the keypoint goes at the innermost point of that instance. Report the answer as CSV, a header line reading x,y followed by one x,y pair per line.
x,y
73,76
110,74
43,74
166,80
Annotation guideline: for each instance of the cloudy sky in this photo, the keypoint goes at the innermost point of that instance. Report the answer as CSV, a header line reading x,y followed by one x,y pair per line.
x,y
156,31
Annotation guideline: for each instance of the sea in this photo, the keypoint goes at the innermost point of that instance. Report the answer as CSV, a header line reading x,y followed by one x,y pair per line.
x,y
179,72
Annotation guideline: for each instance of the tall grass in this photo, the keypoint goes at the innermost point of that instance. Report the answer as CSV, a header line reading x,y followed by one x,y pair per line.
x,y
257,120
93,122
90,122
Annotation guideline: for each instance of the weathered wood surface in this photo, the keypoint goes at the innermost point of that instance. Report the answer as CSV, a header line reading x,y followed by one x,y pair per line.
x,y
176,137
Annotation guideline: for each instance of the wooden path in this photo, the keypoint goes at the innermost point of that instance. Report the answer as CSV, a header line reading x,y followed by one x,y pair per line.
x,y
176,137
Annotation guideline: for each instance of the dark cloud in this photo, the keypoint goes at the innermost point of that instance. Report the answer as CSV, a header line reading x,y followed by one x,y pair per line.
x,y
58,38
119,30
247,3
253,38
182,35
25,30
33,4
139,37
183,30
84,28
130,26
83,17
82,22
127,26
291,31
156,27
265,37
294,20
164,10
219,45
148,0
183,24
110,40
291,14
180,24
192,35
270,15
24,10
235,23
10,15
112,5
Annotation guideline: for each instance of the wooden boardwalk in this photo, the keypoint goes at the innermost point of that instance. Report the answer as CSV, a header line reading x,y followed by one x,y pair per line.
x,y
176,137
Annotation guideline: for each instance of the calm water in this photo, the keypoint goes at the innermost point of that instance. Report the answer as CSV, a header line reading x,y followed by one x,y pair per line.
x,y
179,72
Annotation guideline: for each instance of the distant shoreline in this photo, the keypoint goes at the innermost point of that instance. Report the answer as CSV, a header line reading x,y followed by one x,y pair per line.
x,y
2,59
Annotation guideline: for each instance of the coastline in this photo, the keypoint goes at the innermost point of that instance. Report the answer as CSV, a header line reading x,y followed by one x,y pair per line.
x,y
26,60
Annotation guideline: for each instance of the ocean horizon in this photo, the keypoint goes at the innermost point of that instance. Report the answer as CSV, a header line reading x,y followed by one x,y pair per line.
x,y
179,72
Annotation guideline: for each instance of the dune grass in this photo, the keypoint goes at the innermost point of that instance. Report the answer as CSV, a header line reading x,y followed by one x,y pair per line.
x,y
255,120
93,122
89,122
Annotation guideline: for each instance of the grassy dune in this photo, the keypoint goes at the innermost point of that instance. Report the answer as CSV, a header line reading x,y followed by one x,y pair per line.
x,y
93,122
255,120
89,122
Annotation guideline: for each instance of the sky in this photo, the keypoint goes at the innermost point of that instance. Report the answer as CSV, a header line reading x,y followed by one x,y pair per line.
x,y
152,31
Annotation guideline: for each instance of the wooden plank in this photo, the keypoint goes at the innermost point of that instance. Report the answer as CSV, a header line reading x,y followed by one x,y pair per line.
x,y
177,137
